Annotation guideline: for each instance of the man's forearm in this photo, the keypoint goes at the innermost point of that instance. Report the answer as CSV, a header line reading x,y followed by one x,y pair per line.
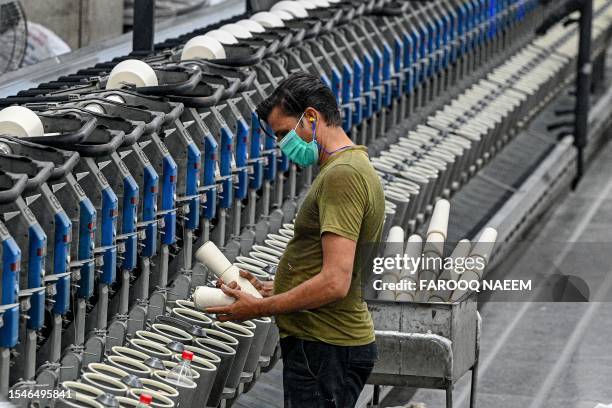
x,y
311,294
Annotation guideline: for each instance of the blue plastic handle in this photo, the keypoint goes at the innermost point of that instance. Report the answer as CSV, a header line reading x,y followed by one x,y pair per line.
x,y
149,198
63,227
194,160
225,166
36,250
11,268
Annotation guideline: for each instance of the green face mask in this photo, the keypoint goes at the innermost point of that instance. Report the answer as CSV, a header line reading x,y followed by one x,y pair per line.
x,y
297,150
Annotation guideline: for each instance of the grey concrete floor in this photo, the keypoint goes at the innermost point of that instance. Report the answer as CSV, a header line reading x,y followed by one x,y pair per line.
x,y
536,353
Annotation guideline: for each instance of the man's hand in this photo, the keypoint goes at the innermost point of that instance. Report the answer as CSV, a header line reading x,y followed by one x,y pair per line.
x,y
330,285
265,289
246,306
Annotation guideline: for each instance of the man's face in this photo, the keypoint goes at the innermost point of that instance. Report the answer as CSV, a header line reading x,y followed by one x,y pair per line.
x,y
282,124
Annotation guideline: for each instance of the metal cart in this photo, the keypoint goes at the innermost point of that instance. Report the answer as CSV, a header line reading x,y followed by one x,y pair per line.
x,y
426,345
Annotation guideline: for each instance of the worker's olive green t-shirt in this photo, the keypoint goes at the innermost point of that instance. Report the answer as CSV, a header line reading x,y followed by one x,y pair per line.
x,y
347,199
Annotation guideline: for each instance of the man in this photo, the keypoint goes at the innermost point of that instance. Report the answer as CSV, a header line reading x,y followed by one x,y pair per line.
x,y
327,335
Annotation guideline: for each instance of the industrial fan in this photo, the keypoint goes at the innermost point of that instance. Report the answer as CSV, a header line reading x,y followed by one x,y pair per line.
x,y
13,35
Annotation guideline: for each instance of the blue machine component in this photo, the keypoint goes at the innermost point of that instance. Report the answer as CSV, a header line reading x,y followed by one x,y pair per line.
x,y
431,30
63,227
336,84
377,59
357,85
270,153
368,81
170,170
11,267
225,167
386,75
423,44
129,221
283,163
408,55
347,78
397,65
36,266
447,37
492,18
87,231
325,80
452,35
194,159
462,25
110,209
255,151
210,163
242,158
470,22
149,197
417,53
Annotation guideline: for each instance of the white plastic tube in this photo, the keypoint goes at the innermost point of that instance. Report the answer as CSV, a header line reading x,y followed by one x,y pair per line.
x,y
272,243
251,261
131,365
286,232
132,71
174,333
203,47
267,19
105,383
222,36
123,351
486,241
279,238
251,25
262,256
439,218
209,255
237,31
257,272
105,369
205,297
151,348
283,14
307,4
268,250
20,122
293,7
115,98
153,336
192,316
94,108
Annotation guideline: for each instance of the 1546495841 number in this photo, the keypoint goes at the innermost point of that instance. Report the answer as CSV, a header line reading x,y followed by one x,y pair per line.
x,y
39,394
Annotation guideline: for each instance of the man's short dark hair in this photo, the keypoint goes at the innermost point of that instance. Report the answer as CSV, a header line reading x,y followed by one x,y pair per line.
x,y
299,91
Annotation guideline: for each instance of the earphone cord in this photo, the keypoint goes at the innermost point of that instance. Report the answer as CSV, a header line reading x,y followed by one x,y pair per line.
x,y
314,136
337,150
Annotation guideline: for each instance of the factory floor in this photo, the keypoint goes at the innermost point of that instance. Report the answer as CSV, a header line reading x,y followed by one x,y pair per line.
x,y
534,352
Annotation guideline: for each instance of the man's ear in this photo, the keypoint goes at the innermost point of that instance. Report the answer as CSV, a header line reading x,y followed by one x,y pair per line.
x,y
311,115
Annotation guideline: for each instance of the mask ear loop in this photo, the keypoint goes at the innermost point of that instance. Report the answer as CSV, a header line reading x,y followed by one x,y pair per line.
x,y
299,121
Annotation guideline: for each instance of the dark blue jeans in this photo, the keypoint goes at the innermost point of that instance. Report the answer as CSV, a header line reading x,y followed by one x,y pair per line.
x,y
321,375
